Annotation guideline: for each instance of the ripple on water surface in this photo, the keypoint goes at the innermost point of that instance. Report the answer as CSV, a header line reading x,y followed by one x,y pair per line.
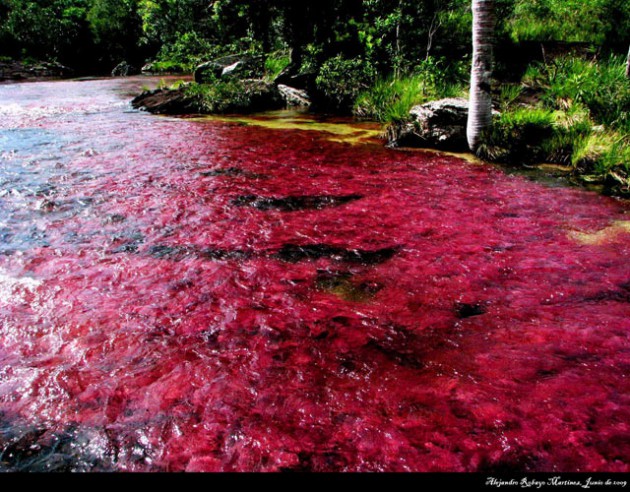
x,y
263,294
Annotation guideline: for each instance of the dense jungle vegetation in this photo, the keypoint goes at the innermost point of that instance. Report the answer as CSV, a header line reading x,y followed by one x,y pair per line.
x,y
560,79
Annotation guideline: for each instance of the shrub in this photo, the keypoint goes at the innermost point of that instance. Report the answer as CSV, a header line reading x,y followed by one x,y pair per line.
x,y
518,136
341,80
275,63
232,96
184,54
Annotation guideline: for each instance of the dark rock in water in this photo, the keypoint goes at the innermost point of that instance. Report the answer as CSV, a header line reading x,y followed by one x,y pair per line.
x,y
42,450
255,96
179,252
14,70
294,97
166,101
224,254
437,124
293,253
469,310
163,251
130,243
156,68
232,172
229,171
124,69
231,66
293,203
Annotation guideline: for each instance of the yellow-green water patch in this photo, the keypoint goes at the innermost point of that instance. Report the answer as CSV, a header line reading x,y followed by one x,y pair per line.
x,y
342,285
333,130
604,235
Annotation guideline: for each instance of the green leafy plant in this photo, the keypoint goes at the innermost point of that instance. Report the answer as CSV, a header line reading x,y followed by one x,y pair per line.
x,y
341,80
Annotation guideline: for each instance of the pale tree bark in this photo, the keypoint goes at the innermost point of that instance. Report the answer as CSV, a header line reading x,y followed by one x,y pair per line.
x,y
628,65
480,99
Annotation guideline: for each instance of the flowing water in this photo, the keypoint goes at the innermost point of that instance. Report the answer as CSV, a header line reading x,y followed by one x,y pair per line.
x,y
283,293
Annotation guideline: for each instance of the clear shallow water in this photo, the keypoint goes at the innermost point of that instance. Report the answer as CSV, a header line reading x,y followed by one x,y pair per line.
x,y
202,295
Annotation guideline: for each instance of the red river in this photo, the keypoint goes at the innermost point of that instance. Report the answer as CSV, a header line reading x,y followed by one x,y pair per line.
x,y
282,293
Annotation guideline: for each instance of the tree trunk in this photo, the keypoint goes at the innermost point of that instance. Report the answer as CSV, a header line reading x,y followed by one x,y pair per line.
x,y
628,65
480,99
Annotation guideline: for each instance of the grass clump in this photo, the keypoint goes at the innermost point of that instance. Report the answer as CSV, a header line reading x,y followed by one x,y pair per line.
x,y
388,100
601,87
555,20
580,118
516,135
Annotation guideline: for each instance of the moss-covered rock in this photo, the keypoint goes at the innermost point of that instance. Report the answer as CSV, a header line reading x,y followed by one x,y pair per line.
x,y
238,96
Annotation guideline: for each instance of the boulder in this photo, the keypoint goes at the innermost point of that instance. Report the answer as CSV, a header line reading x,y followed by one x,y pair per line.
x,y
15,70
294,97
166,101
207,72
124,69
302,81
234,66
258,96
437,124
253,96
232,69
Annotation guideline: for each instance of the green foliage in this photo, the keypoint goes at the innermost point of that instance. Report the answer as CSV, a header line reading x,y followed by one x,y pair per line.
x,y
227,96
389,99
164,21
115,26
601,152
518,136
187,51
581,120
601,87
46,28
556,20
166,67
341,80
275,63
509,95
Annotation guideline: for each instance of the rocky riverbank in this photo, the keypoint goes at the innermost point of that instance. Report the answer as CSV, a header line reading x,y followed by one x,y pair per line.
x,y
14,71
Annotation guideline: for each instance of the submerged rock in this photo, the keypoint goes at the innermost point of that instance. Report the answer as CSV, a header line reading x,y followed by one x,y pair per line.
x,y
293,203
343,285
293,253
465,310
41,450
438,124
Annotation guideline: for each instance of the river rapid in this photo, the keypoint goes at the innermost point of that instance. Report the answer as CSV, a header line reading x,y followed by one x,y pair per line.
x,y
284,293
